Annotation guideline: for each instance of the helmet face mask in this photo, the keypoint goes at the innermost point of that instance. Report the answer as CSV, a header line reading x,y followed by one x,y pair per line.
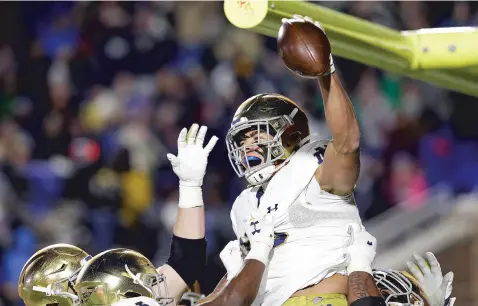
x,y
276,125
267,143
157,284
397,289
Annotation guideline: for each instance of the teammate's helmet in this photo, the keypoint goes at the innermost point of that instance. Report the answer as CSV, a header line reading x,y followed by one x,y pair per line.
x,y
119,274
278,116
47,278
399,288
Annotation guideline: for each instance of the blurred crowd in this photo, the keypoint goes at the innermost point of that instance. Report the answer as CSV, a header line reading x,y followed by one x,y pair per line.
x,y
94,94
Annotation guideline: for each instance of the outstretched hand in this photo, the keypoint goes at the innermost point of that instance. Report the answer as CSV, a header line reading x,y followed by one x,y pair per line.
x,y
428,273
190,163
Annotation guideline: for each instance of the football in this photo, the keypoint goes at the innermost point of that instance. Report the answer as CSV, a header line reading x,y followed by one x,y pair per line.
x,y
304,48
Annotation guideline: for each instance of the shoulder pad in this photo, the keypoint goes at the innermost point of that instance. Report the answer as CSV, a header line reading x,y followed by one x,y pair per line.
x,y
315,145
315,148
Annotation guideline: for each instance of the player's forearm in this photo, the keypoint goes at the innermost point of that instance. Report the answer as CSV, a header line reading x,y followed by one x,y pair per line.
x,y
242,289
174,282
362,286
339,114
214,293
190,223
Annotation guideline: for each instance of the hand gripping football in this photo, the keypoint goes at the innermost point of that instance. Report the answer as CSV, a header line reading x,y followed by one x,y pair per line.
x,y
304,47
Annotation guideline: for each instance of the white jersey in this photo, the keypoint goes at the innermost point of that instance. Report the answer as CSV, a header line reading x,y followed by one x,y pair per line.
x,y
311,226
137,301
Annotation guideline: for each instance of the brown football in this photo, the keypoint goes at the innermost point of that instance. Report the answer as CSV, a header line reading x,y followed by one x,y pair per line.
x,y
304,48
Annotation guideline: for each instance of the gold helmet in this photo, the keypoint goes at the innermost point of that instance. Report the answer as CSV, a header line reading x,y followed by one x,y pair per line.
x,y
119,274
47,278
284,126
399,288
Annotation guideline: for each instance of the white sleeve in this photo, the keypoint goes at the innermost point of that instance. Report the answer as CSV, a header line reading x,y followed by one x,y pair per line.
x,y
234,222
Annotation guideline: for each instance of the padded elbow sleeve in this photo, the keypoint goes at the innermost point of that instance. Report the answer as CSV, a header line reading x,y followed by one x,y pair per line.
x,y
188,258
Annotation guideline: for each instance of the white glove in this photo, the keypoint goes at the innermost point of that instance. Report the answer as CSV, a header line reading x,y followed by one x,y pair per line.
x,y
317,24
362,249
190,164
430,277
260,233
231,259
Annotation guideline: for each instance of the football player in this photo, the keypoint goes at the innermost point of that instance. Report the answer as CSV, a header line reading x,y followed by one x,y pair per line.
x,y
122,277
427,286
47,278
306,185
188,247
360,292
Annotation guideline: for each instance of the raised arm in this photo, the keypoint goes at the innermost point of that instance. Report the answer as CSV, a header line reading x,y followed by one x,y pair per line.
x,y
187,257
340,168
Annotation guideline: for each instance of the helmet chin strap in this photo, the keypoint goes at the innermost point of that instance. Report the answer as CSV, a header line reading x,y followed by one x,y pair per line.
x,y
49,291
137,279
304,141
263,175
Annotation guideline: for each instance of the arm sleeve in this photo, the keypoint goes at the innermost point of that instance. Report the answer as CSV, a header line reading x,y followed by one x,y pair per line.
x,y
188,258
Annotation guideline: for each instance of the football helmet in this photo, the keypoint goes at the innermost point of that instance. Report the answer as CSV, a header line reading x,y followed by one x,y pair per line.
x,y
286,128
47,278
399,288
119,274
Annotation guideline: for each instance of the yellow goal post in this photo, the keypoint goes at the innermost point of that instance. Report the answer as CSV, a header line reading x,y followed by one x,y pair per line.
x,y
446,57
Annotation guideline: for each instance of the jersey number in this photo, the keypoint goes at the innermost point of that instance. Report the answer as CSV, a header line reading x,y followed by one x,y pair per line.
x,y
141,304
279,239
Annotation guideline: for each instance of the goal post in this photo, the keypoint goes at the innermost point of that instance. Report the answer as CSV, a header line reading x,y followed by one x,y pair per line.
x,y
446,57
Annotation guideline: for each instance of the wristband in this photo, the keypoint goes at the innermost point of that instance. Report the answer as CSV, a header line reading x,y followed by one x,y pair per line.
x,y
259,251
189,196
332,66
